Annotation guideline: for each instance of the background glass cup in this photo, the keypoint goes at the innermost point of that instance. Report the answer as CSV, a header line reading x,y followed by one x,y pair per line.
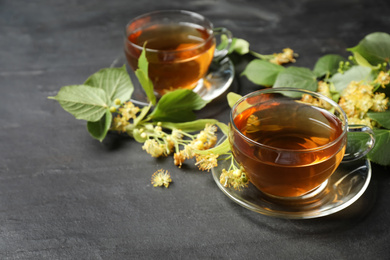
x,y
180,46
288,146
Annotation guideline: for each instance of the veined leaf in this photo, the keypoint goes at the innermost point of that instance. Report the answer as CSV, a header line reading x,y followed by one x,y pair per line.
x,y
297,77
143,77
83,102
177,106
99,129
383,118
355,73
262,72
327,65
375,48
380,153
114,81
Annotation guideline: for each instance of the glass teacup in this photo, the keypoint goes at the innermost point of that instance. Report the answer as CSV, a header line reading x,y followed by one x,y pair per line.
x,y
290,141
179,46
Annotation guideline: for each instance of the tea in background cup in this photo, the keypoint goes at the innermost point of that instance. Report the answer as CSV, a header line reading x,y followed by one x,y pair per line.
x,y
287,146
180,46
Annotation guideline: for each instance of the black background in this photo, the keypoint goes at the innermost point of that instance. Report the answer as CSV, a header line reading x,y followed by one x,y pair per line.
x,y
64,195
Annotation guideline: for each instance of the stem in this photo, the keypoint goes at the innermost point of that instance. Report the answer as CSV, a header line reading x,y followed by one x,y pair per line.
x,y
261,56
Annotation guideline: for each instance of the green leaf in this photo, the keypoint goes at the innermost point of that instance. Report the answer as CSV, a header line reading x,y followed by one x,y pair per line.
x,y
327,65
177,106
383,118
233,98
380,153
262,72
297,77
375,48
363,62
143,77
355,73
83,102
99,129
239,46
114,81
191,126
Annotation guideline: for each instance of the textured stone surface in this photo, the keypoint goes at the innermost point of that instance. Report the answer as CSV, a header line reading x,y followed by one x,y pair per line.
x,y
64,195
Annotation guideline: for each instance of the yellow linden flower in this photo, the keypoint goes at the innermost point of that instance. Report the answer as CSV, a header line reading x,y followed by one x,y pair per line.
x,y
379,102
351,88
206,162
170,143
323,88
202,136
306,98
348,106
235,179
210,130
188,151
210,142
161,178
285,57
129,111
357,99
119,123
176,134
179,158
364,103
197,144
153,148
206,138
383,79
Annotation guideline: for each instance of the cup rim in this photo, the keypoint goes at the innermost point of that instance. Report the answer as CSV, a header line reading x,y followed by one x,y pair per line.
x,y
296,90
175,12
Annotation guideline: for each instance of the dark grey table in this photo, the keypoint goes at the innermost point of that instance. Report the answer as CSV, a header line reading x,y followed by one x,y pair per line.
x,y
64,195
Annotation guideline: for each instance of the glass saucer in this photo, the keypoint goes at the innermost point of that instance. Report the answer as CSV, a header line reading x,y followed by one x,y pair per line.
x,y
217,80
344,187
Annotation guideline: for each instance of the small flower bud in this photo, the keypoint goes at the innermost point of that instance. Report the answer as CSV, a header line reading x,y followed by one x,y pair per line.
x,y
112,109
117,101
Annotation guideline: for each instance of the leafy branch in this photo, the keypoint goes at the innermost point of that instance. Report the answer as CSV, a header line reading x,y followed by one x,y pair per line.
x,y
359,84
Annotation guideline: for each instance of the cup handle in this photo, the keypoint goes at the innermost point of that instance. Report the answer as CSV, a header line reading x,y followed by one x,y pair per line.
x,y
351,156
222,48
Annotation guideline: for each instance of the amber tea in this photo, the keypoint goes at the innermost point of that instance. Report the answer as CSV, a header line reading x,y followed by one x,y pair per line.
x,y
287,148
178,54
